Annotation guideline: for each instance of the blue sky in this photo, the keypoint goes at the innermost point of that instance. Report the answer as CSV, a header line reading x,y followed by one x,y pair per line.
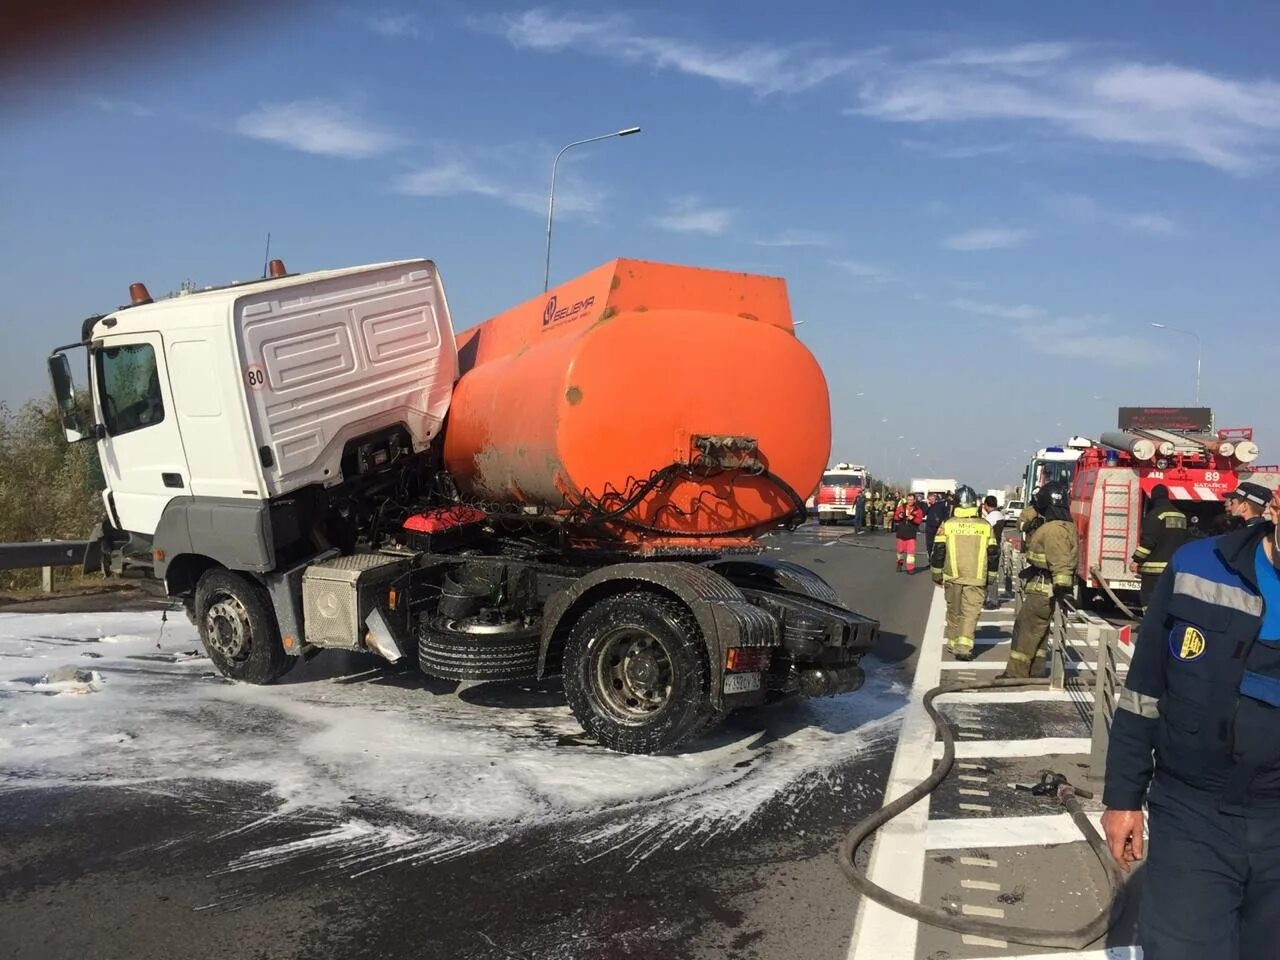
x,y
979,213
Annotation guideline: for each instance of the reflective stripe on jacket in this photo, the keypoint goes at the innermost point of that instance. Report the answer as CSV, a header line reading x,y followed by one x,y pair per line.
x,y
966,549
1053,552
1164,530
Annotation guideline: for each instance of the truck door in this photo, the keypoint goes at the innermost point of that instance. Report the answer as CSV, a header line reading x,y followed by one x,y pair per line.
x,y
141,449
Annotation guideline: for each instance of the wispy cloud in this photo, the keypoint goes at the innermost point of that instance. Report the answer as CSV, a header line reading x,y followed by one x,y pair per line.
x,y
986,238
117,105
1085,209
394,25
958,151
795,238
1078,92
1091,338
868,272
760,67
321,127
997,311
498,174
691,215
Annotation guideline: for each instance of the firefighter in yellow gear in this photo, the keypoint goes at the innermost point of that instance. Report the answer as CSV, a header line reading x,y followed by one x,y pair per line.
x,y
964,561
1052,552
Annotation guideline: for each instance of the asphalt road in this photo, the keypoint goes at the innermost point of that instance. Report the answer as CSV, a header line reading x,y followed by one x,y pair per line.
x,y
216,866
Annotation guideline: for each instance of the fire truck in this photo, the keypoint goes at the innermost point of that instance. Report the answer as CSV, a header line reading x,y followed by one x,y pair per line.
x,y
839,491
1113,482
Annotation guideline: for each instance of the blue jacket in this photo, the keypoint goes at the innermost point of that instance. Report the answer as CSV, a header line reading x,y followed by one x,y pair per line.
x,y
1201,704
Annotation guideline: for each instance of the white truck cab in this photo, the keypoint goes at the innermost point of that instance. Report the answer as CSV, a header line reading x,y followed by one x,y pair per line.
x,y
209,407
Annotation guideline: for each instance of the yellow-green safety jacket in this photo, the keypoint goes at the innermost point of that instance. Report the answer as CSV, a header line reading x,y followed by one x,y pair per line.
x,y
1053,553
966,550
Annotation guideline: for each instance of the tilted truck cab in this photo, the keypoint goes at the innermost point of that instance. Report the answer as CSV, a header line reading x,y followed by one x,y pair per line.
x,y
276,455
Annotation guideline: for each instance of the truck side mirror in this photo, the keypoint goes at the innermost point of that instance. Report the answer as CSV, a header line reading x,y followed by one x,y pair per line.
x,y
75,421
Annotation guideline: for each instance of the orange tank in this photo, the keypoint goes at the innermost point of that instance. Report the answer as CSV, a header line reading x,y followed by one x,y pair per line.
x,y
662,406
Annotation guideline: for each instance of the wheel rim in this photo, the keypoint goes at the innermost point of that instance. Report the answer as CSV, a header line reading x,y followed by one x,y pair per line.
x,y
227,627
633,674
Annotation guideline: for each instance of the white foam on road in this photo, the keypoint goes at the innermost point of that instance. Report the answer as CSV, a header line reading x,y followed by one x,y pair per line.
x,y
335,757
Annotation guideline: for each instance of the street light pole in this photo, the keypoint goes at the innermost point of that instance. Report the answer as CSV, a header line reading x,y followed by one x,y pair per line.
x,y
1199,350
551,196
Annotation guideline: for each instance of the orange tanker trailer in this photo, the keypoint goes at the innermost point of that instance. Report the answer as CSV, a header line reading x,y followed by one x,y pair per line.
x,y
642,410
665,407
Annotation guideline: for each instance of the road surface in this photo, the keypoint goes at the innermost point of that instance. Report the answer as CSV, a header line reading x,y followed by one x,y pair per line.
x,y
152,810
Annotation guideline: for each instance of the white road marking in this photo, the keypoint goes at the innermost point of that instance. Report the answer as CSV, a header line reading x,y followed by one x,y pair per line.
x,y
977,749
972,766
986,665
1106,953
968,833
970,910
897,860
970,940
968,792
968,778
1017,696
980,885
979,862
974,807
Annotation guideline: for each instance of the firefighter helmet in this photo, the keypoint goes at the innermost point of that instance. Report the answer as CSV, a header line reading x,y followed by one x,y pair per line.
x,y
1051,495
966,497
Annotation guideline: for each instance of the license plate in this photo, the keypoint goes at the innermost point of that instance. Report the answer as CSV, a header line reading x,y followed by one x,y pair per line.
x,y
741,682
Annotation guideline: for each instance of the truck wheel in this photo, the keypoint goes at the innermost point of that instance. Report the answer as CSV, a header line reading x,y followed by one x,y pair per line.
x,y
238,628
636,673
478,648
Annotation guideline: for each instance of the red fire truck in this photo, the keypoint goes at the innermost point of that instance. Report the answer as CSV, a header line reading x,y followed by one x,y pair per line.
x,y
1113,482
839,491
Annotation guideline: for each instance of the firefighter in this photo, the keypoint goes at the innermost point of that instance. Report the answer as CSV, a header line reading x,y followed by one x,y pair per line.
x,y
1164,530
1196,736
1052,553
906,527
964,561
1028,512
936,511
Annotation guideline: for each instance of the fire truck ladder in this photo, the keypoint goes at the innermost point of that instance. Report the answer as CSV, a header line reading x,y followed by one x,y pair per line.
x,y
1116,507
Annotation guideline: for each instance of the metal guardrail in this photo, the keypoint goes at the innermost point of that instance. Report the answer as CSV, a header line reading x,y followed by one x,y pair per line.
x,y
42,553
1106,689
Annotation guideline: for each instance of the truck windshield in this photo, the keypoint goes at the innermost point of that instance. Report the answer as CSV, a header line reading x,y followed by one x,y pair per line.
x,y
129,388
1051,471
841,480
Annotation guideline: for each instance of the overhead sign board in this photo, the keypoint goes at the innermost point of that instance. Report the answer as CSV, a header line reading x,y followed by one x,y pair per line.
x,y
1178,419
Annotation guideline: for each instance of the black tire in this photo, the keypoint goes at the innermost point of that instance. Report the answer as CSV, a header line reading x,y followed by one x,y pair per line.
x,y
238,628
471,649
654,631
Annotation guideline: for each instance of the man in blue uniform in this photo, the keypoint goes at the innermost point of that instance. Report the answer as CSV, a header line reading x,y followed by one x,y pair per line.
x,y
1198,726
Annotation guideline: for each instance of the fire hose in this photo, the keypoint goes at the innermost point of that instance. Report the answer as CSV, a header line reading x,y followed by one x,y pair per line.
x,y
1065,794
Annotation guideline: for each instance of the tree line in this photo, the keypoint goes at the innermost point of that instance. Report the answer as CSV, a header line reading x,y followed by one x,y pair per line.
x,y
48,488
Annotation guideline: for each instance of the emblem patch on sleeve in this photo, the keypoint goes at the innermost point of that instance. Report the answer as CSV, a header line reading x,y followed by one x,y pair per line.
x,y
1186,644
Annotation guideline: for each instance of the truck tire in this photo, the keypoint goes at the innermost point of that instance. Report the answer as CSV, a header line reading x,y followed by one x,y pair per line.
x,y
238,628
473,648
636,674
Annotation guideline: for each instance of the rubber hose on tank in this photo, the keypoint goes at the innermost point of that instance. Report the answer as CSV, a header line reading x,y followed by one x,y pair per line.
x,y
1075,939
